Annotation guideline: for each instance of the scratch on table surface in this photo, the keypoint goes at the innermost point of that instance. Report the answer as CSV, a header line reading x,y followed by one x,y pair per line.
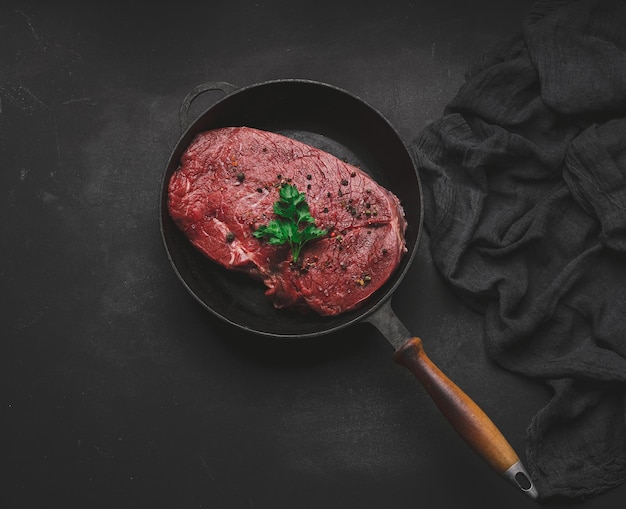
x,y
29,319
30,93
102,452
32,28
22,97
77,100
56,136
206,467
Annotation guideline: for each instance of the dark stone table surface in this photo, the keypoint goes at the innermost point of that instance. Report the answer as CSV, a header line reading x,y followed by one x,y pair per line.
x,y
118,389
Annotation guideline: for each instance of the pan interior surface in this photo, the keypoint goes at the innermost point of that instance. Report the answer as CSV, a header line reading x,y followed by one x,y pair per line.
x,y
318,115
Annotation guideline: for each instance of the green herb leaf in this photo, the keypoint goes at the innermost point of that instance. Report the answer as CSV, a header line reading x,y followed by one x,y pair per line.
x,y
294,225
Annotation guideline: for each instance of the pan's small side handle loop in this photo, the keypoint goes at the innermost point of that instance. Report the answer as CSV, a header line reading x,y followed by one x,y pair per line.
x,y
465,416
183,113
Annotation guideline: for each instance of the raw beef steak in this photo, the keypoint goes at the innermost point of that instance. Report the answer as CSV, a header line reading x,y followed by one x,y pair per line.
x,y
225,187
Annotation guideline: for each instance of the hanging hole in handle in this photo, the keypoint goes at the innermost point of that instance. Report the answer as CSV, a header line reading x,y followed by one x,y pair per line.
x,y
210,92
523,481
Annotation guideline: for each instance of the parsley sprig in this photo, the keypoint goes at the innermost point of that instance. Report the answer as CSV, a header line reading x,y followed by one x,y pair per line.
x,y
294,225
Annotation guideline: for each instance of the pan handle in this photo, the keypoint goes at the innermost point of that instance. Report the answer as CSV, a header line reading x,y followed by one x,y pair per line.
x,y
183,113
464,415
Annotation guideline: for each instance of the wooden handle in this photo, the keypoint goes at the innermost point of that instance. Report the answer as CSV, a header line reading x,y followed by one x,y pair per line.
x,y
465,416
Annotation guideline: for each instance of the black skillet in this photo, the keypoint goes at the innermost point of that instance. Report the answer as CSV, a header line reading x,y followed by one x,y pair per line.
x,y
336,121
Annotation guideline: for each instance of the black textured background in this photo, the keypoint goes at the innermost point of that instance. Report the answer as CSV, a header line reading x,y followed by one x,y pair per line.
x,y
118,390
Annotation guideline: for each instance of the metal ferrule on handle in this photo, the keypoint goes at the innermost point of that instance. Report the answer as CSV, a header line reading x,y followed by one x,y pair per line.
x,y
517,475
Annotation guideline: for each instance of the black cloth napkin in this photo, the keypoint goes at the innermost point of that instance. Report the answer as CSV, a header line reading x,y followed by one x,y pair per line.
x,y
525,195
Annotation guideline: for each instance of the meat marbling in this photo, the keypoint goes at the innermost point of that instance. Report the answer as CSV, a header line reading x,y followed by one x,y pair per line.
x,y
225,188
